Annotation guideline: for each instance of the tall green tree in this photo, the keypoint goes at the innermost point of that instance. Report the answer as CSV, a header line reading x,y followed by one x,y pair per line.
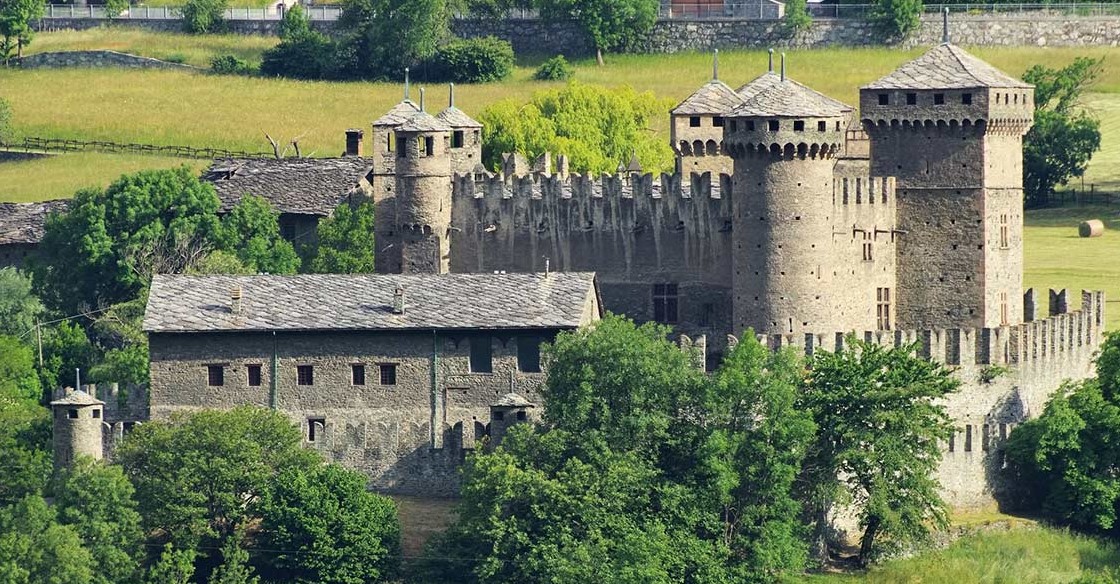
x,y
204,16
329,528
252,231
173,566
120,330
97,500
35,548
235,568
19,308
1065,135
295,23
66,347
346,241
377,39
880,424
25,425
16,20
896,18
797,18
611,24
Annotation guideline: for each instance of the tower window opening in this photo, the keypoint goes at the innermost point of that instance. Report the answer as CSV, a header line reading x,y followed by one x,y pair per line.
x,y
799,125
717,121
313,424
911,98
968,438
215,375
1003,313
253,372
883,308
1004,232
72,414
529,354
457,139
867,247
837,126
773,125
966,98
305,375
390,142
884,99
665,303
822,126
938,99
401,147
694,122
429,146
482,357
96,413
357,374
1016,99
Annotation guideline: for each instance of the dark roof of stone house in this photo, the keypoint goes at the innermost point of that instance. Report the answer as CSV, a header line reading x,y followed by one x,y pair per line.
x,y
424,122
398,114
714,98
946,66
24,222
758,84
77,398
333,302
309,186
457,118
788,98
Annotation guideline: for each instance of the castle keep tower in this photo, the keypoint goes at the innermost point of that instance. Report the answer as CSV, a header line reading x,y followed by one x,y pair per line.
x,y
950,128
784,141
77,427
423,205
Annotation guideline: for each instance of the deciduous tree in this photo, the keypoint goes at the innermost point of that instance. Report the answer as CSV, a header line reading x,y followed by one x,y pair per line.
x,y
35,548
252,231
611,24
346,241
97,500
19,308
25,426
377,39
897,18
16,20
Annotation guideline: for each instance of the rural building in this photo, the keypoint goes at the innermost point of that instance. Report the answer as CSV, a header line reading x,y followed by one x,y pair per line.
x,y
21,229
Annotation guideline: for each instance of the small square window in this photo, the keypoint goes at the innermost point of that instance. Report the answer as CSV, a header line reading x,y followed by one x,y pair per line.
x,y
822,126
966,98
529,354
254,374
481,358
388,373
911,98
938,99
358,374
799,126
884,99
522,416
305,375
96,414
717,121
499,416
694,122
457,139
314,427
773,125
72,414
215,375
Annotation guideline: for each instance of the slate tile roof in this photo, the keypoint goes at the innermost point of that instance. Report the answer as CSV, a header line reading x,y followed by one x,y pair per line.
x,y
513,400
757,85
398,114
946,66
322,302
311,186
788,98
713,98
457,118
77,398
424,122
24,222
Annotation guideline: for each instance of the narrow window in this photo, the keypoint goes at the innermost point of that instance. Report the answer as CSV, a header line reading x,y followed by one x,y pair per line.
x,y
429,146
390,141
966,98
884,99
401,148
529,354
911,98
96,413
314,427
774,125
822,126
837,126
694,122
867,250
799,126
883,308
457,139
358,374
734,126
717,121
305,375
1004,232
952,441
985,437
750,125
387,373
254,374
215,375
938,99
72,414
482,358
499,416
665,303
1003,314
521,417
968,438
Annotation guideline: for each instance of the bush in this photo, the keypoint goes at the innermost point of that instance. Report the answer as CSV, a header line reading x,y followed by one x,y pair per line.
x,y
229,65
203,16
797,16
472,61
555,69
308,56
176,58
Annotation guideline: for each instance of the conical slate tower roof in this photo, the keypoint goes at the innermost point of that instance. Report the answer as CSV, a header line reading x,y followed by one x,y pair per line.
x,y
424,122
77,398
457,118
788,98
398,114
757,85
713,98
946,66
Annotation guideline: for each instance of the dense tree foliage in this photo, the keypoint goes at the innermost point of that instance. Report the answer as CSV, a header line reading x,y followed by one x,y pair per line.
x,y
19,307
35,548
477,60
16,30
797,18
596,127
66,348
377,39
1065,135
235,568
302,52
1068,459
896,18
204,16
25,426
346,241
880,424
252,231
612,25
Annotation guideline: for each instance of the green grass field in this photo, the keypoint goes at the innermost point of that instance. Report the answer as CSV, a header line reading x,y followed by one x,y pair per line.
x,y
195,50
59,176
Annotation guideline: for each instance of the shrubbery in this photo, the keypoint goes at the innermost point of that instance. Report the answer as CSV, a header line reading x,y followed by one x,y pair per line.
x,y
472,61
230,65
555,69
203,16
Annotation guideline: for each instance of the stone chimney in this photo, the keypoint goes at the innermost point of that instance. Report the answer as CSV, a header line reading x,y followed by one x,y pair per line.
x,y
235,299
354,142
398,300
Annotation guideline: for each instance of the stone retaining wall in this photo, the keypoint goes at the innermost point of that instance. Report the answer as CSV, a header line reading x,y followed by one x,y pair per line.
x,y
96,59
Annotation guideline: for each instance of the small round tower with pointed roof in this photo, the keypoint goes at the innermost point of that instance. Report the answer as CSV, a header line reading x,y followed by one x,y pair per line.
x,y
509,410
78,419
466,136
383,180
784,140
424,189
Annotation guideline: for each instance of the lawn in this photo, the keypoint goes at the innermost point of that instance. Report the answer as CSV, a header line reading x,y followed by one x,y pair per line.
x,y
195,50
1025,556
59,176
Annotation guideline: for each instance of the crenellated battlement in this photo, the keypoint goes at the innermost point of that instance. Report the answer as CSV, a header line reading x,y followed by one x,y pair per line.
x,y
590,186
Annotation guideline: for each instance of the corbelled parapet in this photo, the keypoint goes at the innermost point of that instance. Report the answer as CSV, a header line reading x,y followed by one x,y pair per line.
x,y
859,190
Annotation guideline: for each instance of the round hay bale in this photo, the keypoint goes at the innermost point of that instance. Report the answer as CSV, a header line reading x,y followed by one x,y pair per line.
x,y
1091,228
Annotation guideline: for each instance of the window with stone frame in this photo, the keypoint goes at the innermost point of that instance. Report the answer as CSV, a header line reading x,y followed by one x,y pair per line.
x,y
387,373
253,373
482,354
717,121
694,122
314,427
305,375
215,375
457,139
358,374
883,309
666,303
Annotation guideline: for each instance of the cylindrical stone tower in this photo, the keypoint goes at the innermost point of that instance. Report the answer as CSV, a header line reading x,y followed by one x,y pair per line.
x,y
424,194
784,141
509,410
78,417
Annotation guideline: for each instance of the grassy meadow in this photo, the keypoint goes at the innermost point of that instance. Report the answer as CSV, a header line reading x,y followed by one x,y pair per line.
x,y
59,176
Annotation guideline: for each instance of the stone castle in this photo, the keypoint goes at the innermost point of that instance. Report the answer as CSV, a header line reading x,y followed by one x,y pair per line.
x,y
789,215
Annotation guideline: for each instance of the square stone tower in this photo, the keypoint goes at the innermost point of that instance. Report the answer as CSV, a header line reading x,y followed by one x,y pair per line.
x,y
950,128
696,127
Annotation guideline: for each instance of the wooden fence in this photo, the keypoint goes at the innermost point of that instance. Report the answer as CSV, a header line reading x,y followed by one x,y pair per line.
x,y
37,144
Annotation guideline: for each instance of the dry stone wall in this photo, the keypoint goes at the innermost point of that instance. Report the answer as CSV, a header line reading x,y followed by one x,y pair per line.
x,y
96,59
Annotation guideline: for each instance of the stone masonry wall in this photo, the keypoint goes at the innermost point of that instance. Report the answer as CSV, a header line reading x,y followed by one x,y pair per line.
x,y
670,36
96,59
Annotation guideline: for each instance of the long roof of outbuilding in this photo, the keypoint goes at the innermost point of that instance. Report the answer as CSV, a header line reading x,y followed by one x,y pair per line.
x,y
713,98
788,98
946,66
309,186
25,222
364,302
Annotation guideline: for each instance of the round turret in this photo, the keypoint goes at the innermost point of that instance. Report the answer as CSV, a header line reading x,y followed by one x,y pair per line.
x,y
510,409
424,194
78,419
783,141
